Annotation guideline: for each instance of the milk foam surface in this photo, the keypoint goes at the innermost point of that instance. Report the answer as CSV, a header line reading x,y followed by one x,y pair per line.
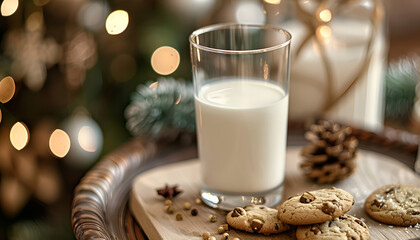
x,y
241,128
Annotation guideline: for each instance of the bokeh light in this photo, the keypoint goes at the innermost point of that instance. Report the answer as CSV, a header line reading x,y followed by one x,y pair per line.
x,y
273,1
250,12
59,143
93,14
116,22
154,85
19,135
87,139
8,7
34,21
165,60
7,89
324,33
325,15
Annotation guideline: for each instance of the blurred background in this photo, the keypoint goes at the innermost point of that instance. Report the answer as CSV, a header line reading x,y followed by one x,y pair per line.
x,y
69,67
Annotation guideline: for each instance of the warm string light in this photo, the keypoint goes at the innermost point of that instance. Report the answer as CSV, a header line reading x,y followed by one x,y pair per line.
x,y
153,85
86,139
250,12
7,89
324,33
116,22
19,135
165,60
93,14
8,7
59,143
35,21
325,15
273,1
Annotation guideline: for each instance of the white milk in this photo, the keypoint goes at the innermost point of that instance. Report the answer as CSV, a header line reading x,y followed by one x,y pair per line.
x,y
241,126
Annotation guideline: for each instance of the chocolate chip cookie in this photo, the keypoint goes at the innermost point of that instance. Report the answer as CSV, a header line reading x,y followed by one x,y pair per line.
x,y
395,204
315,206
344,227
256,219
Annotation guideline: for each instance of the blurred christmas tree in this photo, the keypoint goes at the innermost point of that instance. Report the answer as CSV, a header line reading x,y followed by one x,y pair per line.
x,y
67,71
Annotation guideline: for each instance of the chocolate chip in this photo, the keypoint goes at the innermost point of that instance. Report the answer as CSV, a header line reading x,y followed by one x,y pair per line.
x,y
194,212
238,212
389,190
276,226
413,212
358,221
256,225
336,203
327,208
377,203
307,197
315,230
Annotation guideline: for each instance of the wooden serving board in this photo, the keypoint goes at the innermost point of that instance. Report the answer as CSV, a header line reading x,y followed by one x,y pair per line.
x,y
374,170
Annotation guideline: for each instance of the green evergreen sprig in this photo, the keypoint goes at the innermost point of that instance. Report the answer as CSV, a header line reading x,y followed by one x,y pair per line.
x,y
401,79
160,108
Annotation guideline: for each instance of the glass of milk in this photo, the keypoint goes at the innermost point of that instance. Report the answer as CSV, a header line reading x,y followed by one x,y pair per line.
x,y
241,78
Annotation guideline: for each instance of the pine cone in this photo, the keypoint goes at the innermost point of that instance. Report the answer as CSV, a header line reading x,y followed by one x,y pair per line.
x,y
330,154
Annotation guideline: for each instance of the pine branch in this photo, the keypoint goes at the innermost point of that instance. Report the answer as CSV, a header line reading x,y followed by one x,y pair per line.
x,y
162,107
400,92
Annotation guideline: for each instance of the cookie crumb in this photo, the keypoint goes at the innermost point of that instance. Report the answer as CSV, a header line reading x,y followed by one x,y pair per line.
x,y
212,218
194,212
178,217
187,205
212,238
205,235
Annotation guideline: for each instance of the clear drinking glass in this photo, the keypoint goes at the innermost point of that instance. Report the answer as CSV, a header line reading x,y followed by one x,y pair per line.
x,y
241,78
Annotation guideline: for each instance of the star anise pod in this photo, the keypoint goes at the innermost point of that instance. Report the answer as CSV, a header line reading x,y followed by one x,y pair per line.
x,y
169,192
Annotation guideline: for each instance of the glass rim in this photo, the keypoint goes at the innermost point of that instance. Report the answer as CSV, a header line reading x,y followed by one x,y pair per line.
x,y
225,25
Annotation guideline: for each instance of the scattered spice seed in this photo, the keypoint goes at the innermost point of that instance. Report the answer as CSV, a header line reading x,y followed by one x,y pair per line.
x,y
205,235
179,217
212,238
225,236
220,230
169,192
225,227
187,206
194,212
212,218
198,201
169,209
168,202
